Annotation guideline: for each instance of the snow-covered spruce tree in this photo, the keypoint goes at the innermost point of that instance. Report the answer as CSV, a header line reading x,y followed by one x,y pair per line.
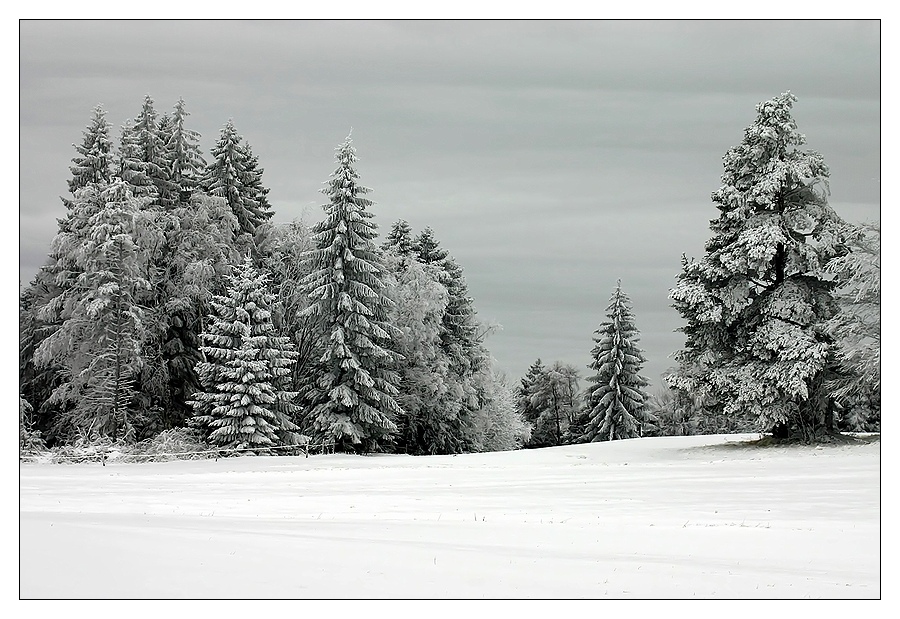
x,y
857,329
399,240
244,403
353,398
615,400
147,144
57,278
757,302
93,164
234,174
129,164
524,405
183,154
98,344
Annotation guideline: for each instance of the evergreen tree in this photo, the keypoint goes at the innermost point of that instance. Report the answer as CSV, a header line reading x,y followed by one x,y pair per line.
x,y
94,161
427,248
98,341
130,165
616,397
253,183
185,159
399,240
353,398
244,403
857,327
757,302
467,374
234,174
53,289
147,144
460,338
523,399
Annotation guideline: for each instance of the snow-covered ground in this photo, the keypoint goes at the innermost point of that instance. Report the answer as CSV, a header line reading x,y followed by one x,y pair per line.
x,y
685,517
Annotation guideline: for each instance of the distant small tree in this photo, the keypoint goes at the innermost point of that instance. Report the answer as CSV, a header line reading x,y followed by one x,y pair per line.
x,y
616,397
554,403
498,424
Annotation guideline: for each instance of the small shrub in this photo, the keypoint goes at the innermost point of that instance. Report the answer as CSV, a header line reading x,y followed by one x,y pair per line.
x,y
174,444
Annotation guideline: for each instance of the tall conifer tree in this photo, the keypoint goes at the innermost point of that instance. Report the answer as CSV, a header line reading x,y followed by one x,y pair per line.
x,y
353,396
756,303
101,323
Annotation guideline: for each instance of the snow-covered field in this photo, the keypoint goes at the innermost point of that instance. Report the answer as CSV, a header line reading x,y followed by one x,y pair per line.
x,y
685,517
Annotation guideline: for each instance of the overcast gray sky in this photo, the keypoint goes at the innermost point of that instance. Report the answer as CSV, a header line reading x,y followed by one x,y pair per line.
x,y
551,158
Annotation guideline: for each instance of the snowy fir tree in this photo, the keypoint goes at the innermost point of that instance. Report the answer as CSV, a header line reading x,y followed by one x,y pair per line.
x,y
524,405
147,144
244,403
48,299
857,328
353,398
183,154
97,344
756,304
130,166
95,154
234,174
615,399
399,240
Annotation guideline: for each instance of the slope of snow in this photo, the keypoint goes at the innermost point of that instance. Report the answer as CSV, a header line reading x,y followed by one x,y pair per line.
x,y
678,517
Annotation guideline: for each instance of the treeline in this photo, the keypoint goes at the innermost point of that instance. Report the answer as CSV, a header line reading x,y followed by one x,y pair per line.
x,y
782,318
169,300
